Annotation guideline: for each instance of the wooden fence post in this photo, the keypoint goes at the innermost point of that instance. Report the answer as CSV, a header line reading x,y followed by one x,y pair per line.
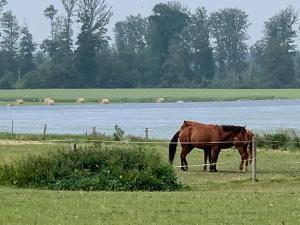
x,y
12,127
94,131
45,130
146,134
253,160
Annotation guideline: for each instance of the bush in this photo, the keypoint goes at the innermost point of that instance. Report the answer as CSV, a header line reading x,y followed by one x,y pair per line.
x,y
285,140
96,168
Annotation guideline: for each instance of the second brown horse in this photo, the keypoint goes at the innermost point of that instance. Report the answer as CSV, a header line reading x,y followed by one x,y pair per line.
x,y
243,145
208,137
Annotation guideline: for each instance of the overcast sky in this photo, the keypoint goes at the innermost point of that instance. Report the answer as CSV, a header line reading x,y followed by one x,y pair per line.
x,y
259,11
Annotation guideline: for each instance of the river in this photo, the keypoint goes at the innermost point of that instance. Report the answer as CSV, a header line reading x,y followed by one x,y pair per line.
x,y
163,120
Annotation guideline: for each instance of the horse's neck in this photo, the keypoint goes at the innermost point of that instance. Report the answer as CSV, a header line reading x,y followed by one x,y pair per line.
x,y
226,135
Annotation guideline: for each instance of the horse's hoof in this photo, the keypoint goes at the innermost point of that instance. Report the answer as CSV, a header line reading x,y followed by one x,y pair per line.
x,y
184,169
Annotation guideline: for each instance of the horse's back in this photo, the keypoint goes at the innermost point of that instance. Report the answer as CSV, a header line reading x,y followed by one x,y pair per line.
x,y
198,134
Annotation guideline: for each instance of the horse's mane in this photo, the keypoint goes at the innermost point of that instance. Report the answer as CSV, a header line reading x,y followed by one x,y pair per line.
x,y
232,128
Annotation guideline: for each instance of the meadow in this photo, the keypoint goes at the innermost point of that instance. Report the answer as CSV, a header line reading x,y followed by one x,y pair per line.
x,y
34,96
226,197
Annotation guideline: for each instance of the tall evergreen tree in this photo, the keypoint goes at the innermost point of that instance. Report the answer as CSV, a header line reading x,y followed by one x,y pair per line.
x,y
9,44
27,48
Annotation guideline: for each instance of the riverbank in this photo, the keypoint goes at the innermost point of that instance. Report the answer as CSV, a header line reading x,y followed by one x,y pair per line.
x,y
37,96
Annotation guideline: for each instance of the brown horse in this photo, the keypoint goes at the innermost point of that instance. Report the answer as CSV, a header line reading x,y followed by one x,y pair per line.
x,y
207,137
241,144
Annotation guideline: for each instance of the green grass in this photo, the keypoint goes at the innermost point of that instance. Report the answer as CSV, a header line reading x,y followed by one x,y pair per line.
x,y
226,197
144,95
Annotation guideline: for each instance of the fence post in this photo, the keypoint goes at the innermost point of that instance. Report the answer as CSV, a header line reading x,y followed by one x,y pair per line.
x,y
253,160
94,131
12,127
146,134
45,130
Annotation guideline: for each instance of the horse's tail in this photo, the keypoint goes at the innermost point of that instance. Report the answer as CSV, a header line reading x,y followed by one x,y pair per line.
x,y
172,147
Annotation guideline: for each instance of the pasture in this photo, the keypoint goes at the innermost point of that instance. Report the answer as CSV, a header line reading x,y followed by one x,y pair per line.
x,y
34,96
226,197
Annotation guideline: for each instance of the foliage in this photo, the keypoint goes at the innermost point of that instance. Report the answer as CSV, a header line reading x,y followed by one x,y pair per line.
x,y
229,30
279,49
118,134
286,140
102,168
173,47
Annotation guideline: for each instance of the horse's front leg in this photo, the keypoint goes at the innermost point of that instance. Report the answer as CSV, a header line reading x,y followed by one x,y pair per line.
x,y
214,158
244,158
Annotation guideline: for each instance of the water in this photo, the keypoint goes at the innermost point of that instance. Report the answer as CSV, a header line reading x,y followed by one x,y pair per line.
x,y
163,120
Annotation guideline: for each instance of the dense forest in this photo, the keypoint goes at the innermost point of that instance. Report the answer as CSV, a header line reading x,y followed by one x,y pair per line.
x,y
173,47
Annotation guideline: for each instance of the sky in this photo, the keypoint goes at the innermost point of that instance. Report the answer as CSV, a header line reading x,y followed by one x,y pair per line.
x,y
259,11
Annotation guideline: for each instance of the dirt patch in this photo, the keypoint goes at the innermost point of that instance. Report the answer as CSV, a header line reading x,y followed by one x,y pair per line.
x,y
16,142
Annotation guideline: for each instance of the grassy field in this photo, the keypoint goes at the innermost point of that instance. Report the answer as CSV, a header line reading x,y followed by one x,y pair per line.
x,y
226,197
144,95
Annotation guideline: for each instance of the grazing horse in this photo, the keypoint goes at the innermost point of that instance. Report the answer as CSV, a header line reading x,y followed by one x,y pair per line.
x,y
207,137
241,144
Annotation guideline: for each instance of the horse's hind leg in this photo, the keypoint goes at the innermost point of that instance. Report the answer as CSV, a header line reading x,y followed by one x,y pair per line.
x,y
206,156
186,149
214,158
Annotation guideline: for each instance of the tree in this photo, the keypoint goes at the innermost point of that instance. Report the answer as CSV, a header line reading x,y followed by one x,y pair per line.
x,y
229,30
131,43
27,47
279,49
48,45
167,24
69,6
2,4
130,35
202,52
50,12
173,69
93,15
9,44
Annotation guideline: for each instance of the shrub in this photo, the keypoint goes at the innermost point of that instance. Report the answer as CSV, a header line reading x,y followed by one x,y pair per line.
x,y
285,140
118,134
110,168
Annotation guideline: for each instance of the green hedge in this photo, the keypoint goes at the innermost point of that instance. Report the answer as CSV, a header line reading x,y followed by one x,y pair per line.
x,y
110,168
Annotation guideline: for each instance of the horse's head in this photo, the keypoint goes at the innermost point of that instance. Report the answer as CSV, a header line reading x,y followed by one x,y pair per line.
x,y
235,132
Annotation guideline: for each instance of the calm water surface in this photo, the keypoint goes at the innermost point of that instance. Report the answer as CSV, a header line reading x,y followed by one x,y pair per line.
x,y
163,120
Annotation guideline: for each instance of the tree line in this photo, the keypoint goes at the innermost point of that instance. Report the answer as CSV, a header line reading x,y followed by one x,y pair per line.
x,y
173,47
